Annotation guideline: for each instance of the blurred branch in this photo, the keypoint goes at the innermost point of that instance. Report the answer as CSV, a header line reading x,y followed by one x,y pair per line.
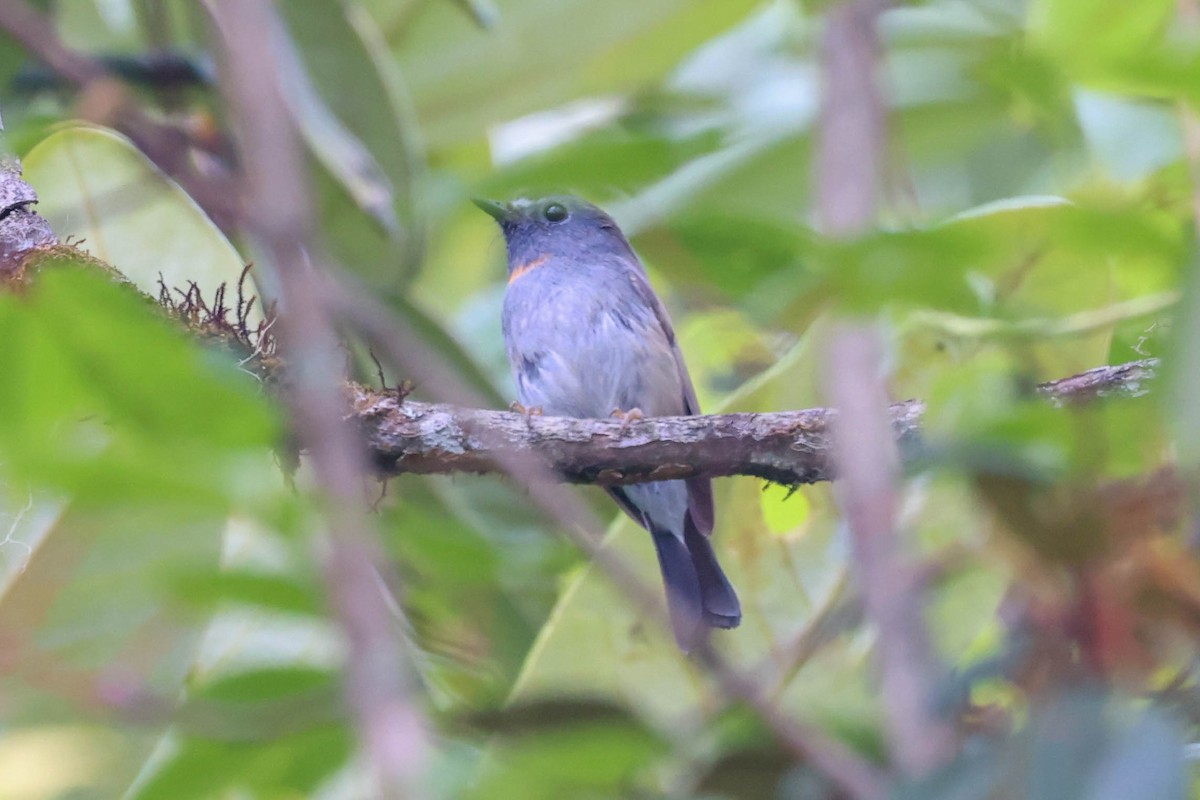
x,y
851,150
851,140
1186,418
788,447
161,70
920,737
278,211
37,34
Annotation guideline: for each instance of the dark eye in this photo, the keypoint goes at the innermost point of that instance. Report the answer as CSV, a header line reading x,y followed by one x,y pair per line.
x,y
555,212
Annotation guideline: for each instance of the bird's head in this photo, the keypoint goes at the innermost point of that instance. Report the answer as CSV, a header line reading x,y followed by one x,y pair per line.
x,y
554,227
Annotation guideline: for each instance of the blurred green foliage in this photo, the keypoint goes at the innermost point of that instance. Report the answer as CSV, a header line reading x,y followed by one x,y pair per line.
x,y
164,630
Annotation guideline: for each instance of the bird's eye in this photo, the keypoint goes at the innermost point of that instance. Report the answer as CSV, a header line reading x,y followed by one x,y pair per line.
x,y
555,212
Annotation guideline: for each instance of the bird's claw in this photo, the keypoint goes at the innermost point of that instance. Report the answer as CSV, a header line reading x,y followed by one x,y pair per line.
x,y
529,412
627,417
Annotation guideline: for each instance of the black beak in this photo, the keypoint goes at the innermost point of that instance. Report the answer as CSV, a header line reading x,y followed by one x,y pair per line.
x,y
501,212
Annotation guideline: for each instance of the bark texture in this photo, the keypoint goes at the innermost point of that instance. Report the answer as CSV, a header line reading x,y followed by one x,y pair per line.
x,y
789,447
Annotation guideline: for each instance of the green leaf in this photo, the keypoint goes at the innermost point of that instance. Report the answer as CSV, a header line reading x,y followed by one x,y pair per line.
x,y
86,627
1101,38
96,189
295,765
601,165
586,757
747,774
783,510
362,88
541,53
925,267
108,399
267,683
738,255
277,591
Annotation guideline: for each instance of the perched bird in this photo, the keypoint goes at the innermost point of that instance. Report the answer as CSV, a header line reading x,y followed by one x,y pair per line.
x,y
588,337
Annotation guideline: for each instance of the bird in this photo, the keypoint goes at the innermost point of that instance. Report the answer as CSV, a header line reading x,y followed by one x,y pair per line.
x,y
587,337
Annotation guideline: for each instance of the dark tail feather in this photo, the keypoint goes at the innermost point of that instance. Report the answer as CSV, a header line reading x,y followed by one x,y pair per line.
x,y
683,588
698,593
721,606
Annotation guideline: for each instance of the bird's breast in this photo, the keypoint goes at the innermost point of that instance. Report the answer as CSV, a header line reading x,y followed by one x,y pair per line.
x,y
583,348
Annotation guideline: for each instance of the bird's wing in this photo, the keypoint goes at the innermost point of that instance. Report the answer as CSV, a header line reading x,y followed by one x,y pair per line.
x,y
700,498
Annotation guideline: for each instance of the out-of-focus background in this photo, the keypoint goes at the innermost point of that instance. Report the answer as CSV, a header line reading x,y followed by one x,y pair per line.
x,y
163,627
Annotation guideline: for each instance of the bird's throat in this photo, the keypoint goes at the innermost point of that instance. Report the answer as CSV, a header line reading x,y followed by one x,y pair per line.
x,y
526,267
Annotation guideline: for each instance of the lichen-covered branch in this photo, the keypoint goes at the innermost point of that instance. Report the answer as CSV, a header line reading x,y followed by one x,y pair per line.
x,y
789,447
21,229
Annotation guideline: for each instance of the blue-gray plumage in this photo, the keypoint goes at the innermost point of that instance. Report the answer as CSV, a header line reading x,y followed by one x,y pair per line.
x,y
587,336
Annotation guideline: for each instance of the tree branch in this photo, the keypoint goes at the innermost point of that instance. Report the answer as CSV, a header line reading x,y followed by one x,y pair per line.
x,y
21,229
789,447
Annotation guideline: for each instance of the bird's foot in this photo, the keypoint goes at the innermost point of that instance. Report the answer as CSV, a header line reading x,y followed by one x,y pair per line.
x,y
529,412
627,417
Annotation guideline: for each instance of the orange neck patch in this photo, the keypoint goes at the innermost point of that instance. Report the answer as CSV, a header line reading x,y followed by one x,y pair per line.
x,y
527,267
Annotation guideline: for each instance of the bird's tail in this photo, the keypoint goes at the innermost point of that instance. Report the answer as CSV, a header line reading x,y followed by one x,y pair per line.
x,y
684,596
720,601
698,593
